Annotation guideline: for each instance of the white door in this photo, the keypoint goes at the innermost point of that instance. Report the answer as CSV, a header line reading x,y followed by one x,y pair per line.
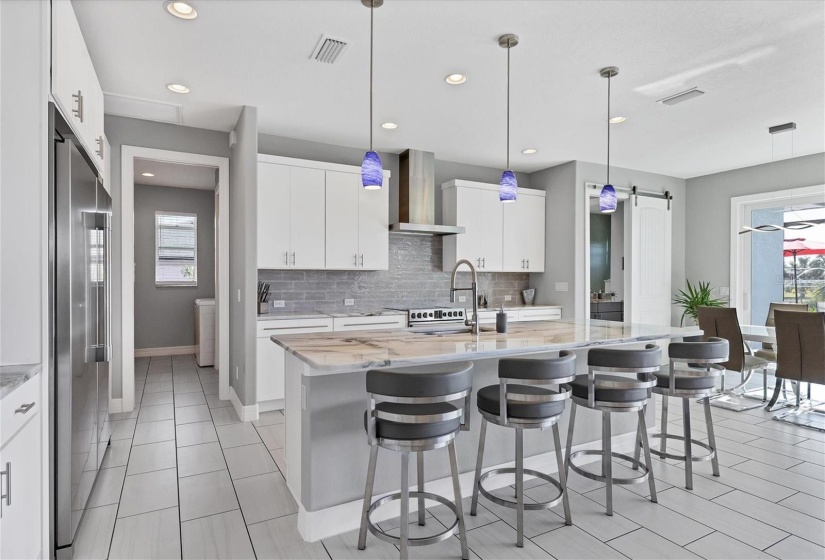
x,y
342,219
373,224
21,519
491,226
273,215
648,221
270,369
468,244
307,202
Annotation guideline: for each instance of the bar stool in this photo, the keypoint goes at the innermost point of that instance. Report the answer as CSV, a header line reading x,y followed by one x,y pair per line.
x,y
529,406
615,393
411,410
694,367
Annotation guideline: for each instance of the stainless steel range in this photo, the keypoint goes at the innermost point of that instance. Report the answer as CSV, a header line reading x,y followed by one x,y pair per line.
x,y
426,318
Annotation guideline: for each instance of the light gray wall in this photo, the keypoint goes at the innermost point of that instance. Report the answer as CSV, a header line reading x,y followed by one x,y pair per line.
x,y
165,316
708,204
23,175
444,170
122,131
566,204
243,248
587,172
559,253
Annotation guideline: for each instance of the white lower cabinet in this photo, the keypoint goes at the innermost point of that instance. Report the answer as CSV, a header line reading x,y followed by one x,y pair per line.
x,y
370,323
521,314
21,485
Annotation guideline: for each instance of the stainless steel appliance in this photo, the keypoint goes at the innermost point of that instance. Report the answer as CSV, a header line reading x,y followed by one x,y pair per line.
x,y
80,252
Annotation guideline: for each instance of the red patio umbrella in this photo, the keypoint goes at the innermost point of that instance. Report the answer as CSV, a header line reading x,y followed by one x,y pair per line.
x,y
800,246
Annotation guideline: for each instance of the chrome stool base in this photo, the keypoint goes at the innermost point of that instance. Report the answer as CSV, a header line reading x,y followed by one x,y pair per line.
x,y
513,504
636,464
417,541
710,455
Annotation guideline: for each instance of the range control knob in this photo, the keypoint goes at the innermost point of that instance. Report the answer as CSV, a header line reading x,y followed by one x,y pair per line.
x,y
430,314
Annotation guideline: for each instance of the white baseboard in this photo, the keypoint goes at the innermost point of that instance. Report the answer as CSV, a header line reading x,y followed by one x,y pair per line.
x,y
246,413
266,406
321,524
165,351
115,406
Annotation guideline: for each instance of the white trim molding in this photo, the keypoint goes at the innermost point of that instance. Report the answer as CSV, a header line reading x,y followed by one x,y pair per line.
x,y
246,413
165,351
127,199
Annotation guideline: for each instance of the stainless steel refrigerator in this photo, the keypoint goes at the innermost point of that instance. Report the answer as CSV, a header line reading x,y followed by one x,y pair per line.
x,y
80,271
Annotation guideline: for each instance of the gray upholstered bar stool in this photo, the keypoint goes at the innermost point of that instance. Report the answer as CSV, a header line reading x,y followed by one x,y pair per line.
x,y
529,406
694,367
615,393
413,410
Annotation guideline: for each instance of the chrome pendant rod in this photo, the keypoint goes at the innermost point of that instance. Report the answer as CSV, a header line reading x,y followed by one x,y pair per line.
x,y
508,104
608,128
372,25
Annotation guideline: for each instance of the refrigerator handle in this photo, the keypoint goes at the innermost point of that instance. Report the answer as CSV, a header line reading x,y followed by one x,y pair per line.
x,y
101,350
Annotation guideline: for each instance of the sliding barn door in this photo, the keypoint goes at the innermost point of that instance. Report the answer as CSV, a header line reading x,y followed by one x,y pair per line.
x,y
647,277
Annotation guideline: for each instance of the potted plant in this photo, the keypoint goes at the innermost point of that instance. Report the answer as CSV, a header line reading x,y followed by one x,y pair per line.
x,y
695,297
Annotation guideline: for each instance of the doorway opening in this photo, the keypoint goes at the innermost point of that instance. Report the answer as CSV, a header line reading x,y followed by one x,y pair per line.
x,y
175,243
606,262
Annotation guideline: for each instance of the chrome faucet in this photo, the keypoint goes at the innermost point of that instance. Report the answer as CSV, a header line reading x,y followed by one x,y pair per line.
x,y
473,288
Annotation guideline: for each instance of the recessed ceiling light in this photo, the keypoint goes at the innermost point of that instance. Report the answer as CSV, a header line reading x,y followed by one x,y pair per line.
x,y
182,10
177,88
617,120
455,79
147,174
389,125
529,151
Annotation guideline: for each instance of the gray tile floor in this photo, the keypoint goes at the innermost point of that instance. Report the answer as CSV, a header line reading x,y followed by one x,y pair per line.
x,y
184,478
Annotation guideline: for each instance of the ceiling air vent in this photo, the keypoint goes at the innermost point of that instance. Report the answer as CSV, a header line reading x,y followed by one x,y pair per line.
x,y
329,50
681,97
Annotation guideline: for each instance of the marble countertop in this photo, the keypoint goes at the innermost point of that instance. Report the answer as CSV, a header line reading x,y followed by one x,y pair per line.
x,y
12,377
338,352
275,315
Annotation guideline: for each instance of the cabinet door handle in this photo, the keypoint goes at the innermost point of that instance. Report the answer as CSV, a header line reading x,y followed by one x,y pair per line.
x,y
293,258
483,262
528,264
286,258
355,260
362,259
522,263
99,151
78,98
23,409
7,495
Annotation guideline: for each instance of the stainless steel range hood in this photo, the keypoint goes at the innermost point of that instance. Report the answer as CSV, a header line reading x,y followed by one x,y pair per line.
x,y
416,197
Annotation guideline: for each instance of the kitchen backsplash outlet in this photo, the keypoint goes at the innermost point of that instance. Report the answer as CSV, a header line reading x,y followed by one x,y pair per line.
x,y
414,279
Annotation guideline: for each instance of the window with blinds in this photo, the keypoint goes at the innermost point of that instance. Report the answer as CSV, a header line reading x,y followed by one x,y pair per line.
x,y
176,249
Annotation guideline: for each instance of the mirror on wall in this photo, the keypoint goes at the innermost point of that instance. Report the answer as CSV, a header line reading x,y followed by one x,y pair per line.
x,y
606,251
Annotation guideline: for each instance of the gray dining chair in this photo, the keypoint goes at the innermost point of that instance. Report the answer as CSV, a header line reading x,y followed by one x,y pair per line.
x,y
722,322
800,341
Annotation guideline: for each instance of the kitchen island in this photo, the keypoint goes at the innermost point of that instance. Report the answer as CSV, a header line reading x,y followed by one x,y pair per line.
x,y
326,447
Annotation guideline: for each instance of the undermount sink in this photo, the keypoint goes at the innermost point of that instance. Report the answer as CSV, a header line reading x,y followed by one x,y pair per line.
x,y
455,330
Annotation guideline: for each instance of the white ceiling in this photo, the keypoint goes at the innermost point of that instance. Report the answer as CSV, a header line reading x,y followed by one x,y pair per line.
x,y
175,175
759,62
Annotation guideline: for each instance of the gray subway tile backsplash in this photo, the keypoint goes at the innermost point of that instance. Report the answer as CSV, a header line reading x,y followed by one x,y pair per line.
x,y
414,279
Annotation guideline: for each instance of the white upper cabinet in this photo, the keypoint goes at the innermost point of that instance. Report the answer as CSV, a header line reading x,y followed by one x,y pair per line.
x,y
273,215
524,233
312,217
75,87
498,237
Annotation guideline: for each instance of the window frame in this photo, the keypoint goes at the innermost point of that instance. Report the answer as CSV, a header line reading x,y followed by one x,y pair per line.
x,y
176,283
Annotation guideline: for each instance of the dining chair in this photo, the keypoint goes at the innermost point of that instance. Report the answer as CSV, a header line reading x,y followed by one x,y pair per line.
x,y
800,341
723,322
768,352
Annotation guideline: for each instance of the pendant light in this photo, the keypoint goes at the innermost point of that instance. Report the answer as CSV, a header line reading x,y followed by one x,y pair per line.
x,y
607,198
372,172
508,187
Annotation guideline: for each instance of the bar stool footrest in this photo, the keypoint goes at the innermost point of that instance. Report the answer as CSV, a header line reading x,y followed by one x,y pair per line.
x,y
417,541
599,478
513,503
665,455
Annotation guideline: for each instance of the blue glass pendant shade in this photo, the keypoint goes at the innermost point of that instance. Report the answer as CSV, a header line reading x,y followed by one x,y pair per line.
x,y
508,187
607,199
372,173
